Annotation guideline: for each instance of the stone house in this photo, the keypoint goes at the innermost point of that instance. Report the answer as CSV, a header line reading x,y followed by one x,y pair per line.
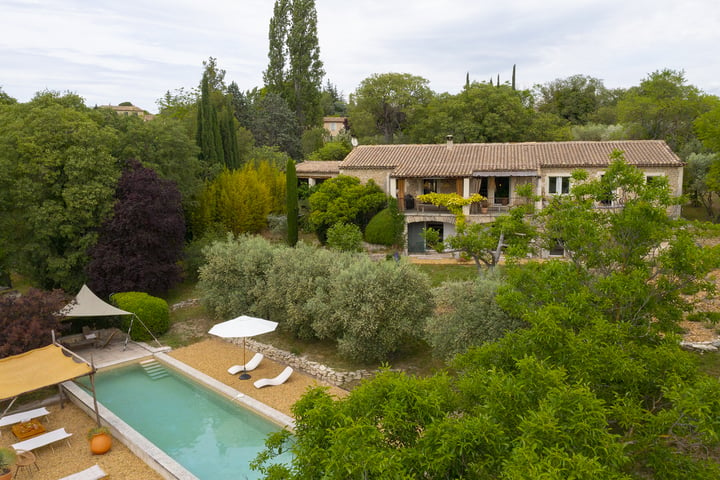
x,y
493,170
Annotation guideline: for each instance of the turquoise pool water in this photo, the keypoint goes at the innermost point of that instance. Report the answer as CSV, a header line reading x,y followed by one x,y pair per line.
x,y
206,433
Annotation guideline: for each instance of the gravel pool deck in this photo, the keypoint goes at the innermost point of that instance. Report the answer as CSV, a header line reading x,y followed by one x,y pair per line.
x,y
212,357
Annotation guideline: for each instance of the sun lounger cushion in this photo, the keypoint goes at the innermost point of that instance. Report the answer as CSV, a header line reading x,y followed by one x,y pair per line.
x,y
251,365
280,379
23,416
92,473
41,440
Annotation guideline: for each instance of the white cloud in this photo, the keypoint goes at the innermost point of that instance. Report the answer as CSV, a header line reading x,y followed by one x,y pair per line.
x,y
109,51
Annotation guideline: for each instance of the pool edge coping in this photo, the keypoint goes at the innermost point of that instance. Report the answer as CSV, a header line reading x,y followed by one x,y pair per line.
x,y
148,452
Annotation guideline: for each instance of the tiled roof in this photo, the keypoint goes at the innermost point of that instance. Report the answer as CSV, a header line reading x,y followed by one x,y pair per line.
x,y
460,160
318,167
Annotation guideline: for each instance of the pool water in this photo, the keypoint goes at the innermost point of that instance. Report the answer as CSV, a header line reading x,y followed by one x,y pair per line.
x,y
203,431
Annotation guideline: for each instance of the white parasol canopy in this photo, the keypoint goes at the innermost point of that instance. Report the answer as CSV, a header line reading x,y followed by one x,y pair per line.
x,y
243,327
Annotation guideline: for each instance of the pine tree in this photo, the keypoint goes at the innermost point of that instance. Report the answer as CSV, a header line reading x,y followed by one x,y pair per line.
x,y
292,203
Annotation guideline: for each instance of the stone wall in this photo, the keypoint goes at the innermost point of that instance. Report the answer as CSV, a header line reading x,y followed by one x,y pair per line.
x,y
314,369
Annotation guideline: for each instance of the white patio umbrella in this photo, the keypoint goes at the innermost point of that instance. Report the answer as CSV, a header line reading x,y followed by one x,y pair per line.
x,y
243,327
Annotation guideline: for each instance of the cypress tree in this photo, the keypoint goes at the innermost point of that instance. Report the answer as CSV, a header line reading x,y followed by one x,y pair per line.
x,y
229,138
208,128
291,202
513,77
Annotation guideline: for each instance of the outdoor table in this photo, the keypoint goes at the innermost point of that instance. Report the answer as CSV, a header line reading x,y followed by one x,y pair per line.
x,y
28,429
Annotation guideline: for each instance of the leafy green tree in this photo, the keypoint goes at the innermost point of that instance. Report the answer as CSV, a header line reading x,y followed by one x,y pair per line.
x,y
306,69
295,71
57,180
483,113
575,98
344,199
369,310
332,101
273,124
140,246
332,151
235,275
346,237
292,203
664,107
275,77
467,315
293,280
596,385
697,176
707,127
383,102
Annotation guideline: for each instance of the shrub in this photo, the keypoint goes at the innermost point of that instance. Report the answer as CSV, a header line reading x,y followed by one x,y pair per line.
x,y
292,281
234,276
466,315
153,313
345,237
387,227
372,308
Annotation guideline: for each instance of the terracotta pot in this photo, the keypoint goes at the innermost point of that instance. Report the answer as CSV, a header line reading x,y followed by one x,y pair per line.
x,y
100,443
6,476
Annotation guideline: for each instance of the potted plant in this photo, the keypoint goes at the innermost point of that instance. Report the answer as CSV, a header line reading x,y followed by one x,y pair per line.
x,y
100,440
7,460
484,206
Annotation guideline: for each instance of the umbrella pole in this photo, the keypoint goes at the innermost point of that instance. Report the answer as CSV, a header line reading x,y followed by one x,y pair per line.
x,y
245,375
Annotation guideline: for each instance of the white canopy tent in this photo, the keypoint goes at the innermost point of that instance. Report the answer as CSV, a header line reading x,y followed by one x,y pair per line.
x,y
87,304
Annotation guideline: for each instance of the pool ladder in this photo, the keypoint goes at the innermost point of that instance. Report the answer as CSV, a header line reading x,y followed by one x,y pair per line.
x,y
154,369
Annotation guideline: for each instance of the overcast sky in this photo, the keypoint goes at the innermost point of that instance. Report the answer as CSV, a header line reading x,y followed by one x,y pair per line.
x,y
110,51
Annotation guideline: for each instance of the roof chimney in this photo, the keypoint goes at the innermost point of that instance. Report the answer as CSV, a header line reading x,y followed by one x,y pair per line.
x,y
449,142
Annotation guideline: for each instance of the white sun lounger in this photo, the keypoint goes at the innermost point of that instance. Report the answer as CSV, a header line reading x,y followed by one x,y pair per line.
x,y
280,379
92,473
251,365
22,416
44,439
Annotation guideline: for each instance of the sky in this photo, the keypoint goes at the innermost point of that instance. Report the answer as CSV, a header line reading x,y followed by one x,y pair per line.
x,y
110,51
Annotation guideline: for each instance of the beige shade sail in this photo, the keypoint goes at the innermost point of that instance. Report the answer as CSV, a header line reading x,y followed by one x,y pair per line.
x,y
38,368
87,304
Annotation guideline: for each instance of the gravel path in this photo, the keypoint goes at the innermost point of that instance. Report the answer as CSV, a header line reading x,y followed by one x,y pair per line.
x,y
212,357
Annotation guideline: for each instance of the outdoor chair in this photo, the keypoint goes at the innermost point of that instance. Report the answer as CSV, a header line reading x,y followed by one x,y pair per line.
x,y
23,416
249,366
279,380
92,473
42,440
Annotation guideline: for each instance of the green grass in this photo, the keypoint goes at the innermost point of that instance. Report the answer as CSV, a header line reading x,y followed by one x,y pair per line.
x,y
448,272
709,363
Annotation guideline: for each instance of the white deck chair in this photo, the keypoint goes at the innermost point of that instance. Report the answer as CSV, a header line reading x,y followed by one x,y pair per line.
x,y
92,473
251,365
23,416
280,379
43,439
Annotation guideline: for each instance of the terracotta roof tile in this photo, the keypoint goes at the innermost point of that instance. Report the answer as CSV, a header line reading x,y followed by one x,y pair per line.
x,y
318,167
460,160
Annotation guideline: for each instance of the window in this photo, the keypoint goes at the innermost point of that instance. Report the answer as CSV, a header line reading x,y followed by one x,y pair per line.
x,y
558,185
429,185
650,179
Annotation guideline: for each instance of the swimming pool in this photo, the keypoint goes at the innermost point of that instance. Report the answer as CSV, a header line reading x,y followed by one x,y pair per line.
x,y
208,434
